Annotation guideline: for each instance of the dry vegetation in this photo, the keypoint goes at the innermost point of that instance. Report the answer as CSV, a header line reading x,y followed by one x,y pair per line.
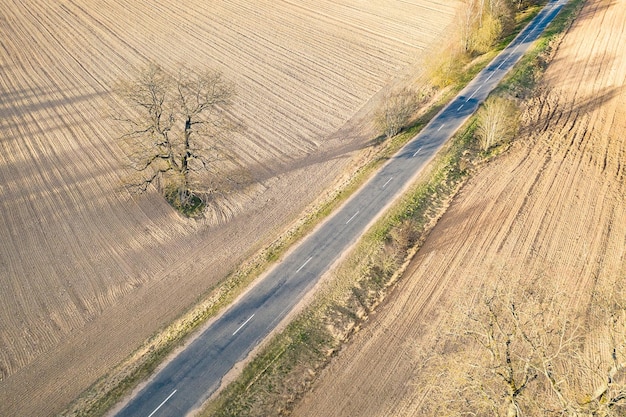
x,y
89,272
545,222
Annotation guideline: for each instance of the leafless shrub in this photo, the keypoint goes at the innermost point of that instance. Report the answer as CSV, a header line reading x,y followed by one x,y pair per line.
x,y
397,109
498,121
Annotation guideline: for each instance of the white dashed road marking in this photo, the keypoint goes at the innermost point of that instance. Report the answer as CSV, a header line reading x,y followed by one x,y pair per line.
x,y
164,401
304,264
241,327
352,217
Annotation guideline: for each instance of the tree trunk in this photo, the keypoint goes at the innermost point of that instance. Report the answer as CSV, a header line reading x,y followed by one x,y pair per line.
x,y
184,194
512,410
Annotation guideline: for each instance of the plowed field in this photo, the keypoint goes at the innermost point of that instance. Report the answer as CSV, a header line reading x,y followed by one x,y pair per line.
x,y
87,271
554,206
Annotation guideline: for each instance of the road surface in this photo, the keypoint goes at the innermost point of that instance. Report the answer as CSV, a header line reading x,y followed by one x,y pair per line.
x,y
196,372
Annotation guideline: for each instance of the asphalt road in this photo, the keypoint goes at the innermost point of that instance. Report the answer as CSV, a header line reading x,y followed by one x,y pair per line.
x,y
196,372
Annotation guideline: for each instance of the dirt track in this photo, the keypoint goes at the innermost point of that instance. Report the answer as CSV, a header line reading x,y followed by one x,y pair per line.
x,y
87,271
554,207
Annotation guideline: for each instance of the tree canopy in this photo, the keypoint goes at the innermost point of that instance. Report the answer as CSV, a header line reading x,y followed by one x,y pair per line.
x,y
177,129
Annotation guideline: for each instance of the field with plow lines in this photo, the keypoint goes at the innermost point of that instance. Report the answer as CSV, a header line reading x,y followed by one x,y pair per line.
x,y
88,271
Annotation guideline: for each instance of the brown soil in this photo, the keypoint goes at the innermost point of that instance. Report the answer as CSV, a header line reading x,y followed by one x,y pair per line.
x,y
88,271
553,207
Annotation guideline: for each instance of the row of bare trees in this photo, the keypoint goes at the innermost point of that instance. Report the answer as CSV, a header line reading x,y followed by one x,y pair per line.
x,y
482,22
478,26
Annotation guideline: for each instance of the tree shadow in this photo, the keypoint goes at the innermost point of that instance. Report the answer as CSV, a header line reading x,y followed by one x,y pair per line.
x,y
28,110
551,107
588,11
261,174
593,64
36,98
42,133
595,100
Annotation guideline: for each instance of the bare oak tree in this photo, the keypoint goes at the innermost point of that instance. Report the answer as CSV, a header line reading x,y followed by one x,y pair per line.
x,y
176,130
529,351
521,335
596,377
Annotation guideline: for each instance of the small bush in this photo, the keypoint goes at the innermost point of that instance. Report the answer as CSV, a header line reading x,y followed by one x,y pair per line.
x,y
188,204
497,122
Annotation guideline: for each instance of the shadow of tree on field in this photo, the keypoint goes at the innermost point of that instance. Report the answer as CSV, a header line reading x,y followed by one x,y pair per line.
x,y
261,174
591,9
548,109
36,98
25,112
593,64
595,100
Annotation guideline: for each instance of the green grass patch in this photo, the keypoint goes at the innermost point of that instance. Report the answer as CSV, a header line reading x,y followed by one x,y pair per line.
x,y
191,208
